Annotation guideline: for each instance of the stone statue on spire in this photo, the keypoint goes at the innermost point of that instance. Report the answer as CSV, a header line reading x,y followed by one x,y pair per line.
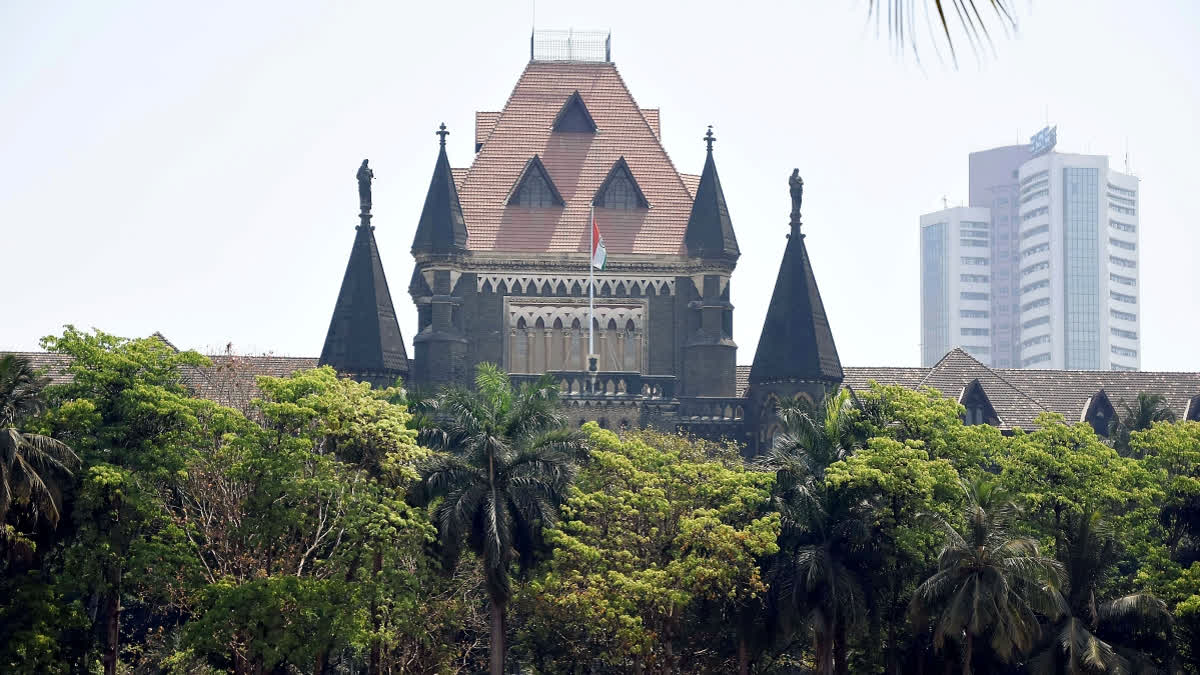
x,y
796,186
365,175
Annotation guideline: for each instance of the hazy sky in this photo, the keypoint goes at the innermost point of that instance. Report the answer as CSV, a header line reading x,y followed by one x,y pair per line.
x,y
188,167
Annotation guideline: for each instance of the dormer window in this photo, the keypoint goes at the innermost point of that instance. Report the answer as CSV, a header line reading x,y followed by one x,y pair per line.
x,y
574,116
1099,413
979,407
534,188
619,190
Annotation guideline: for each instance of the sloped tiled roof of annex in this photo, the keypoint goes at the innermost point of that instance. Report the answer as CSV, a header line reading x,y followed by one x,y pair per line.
x,y
1018,395
578,162
229,381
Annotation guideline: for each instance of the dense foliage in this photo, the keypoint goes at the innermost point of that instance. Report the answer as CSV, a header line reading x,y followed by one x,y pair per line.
x,y
325,527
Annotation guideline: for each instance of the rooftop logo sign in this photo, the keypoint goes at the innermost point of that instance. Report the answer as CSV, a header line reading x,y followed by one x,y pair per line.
x,y
1043,141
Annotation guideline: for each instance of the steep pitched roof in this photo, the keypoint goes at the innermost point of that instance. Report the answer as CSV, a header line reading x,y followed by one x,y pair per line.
x,y
958,368
1019,395
441,228
692,182
1065,391
364,336
652,118
231,379
579,163
484,123
709,230
796,341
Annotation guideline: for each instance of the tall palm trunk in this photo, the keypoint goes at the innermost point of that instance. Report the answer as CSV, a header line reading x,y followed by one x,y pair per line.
x,y
112,630
967,653
823,651
743,652
839,649
496,652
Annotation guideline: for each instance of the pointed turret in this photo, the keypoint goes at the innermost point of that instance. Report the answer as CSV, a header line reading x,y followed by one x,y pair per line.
x,y
709,230
709,361
364,340
439,347
441,229
796,354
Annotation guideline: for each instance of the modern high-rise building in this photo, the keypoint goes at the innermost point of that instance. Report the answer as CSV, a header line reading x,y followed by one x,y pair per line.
x,y
956,270
1061,279
1079,264
993,184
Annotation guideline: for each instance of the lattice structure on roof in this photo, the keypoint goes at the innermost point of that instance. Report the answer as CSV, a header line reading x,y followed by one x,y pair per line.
x,y
570,45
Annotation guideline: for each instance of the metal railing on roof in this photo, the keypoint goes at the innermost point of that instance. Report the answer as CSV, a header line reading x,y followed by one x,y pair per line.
x,y
570,45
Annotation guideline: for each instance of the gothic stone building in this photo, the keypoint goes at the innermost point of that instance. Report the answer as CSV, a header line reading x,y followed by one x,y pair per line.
x,y
502,253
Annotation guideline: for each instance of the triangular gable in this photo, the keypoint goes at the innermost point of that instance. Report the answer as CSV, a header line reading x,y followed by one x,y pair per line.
x,y
534,187
1098,412
574,116
979,407
620,189
1192,414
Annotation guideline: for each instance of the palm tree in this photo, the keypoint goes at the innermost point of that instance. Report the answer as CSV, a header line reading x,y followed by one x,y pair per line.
x,y
30,464
988,585
1086,639
814,577
510,460
903,22
1141,415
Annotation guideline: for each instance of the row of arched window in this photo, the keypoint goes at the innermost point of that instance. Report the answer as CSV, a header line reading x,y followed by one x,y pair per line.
x,y
540,348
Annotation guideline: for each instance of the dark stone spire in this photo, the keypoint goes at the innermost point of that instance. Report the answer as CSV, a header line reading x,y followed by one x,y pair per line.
x,y
441,228
709,230
364,340
796,344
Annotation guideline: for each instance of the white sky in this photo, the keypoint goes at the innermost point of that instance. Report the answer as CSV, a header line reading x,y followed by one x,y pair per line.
x,y
188,167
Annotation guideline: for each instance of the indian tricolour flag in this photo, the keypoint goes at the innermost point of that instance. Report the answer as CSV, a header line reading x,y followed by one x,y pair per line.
x,y
599,254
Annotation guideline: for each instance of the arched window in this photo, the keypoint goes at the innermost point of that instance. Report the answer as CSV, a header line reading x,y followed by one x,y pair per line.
x,y
519,348
558,345
631,347
613,354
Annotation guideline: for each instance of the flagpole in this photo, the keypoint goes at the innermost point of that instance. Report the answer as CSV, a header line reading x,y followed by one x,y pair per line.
x,y
591,282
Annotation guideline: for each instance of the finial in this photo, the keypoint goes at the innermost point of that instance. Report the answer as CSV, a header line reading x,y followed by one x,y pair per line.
x,y
796,188
365,175
443,133
709,138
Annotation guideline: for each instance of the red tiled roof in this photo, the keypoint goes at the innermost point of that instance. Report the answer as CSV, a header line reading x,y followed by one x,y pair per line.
x,y
484,123
578,163
651,115
459,176
691,181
